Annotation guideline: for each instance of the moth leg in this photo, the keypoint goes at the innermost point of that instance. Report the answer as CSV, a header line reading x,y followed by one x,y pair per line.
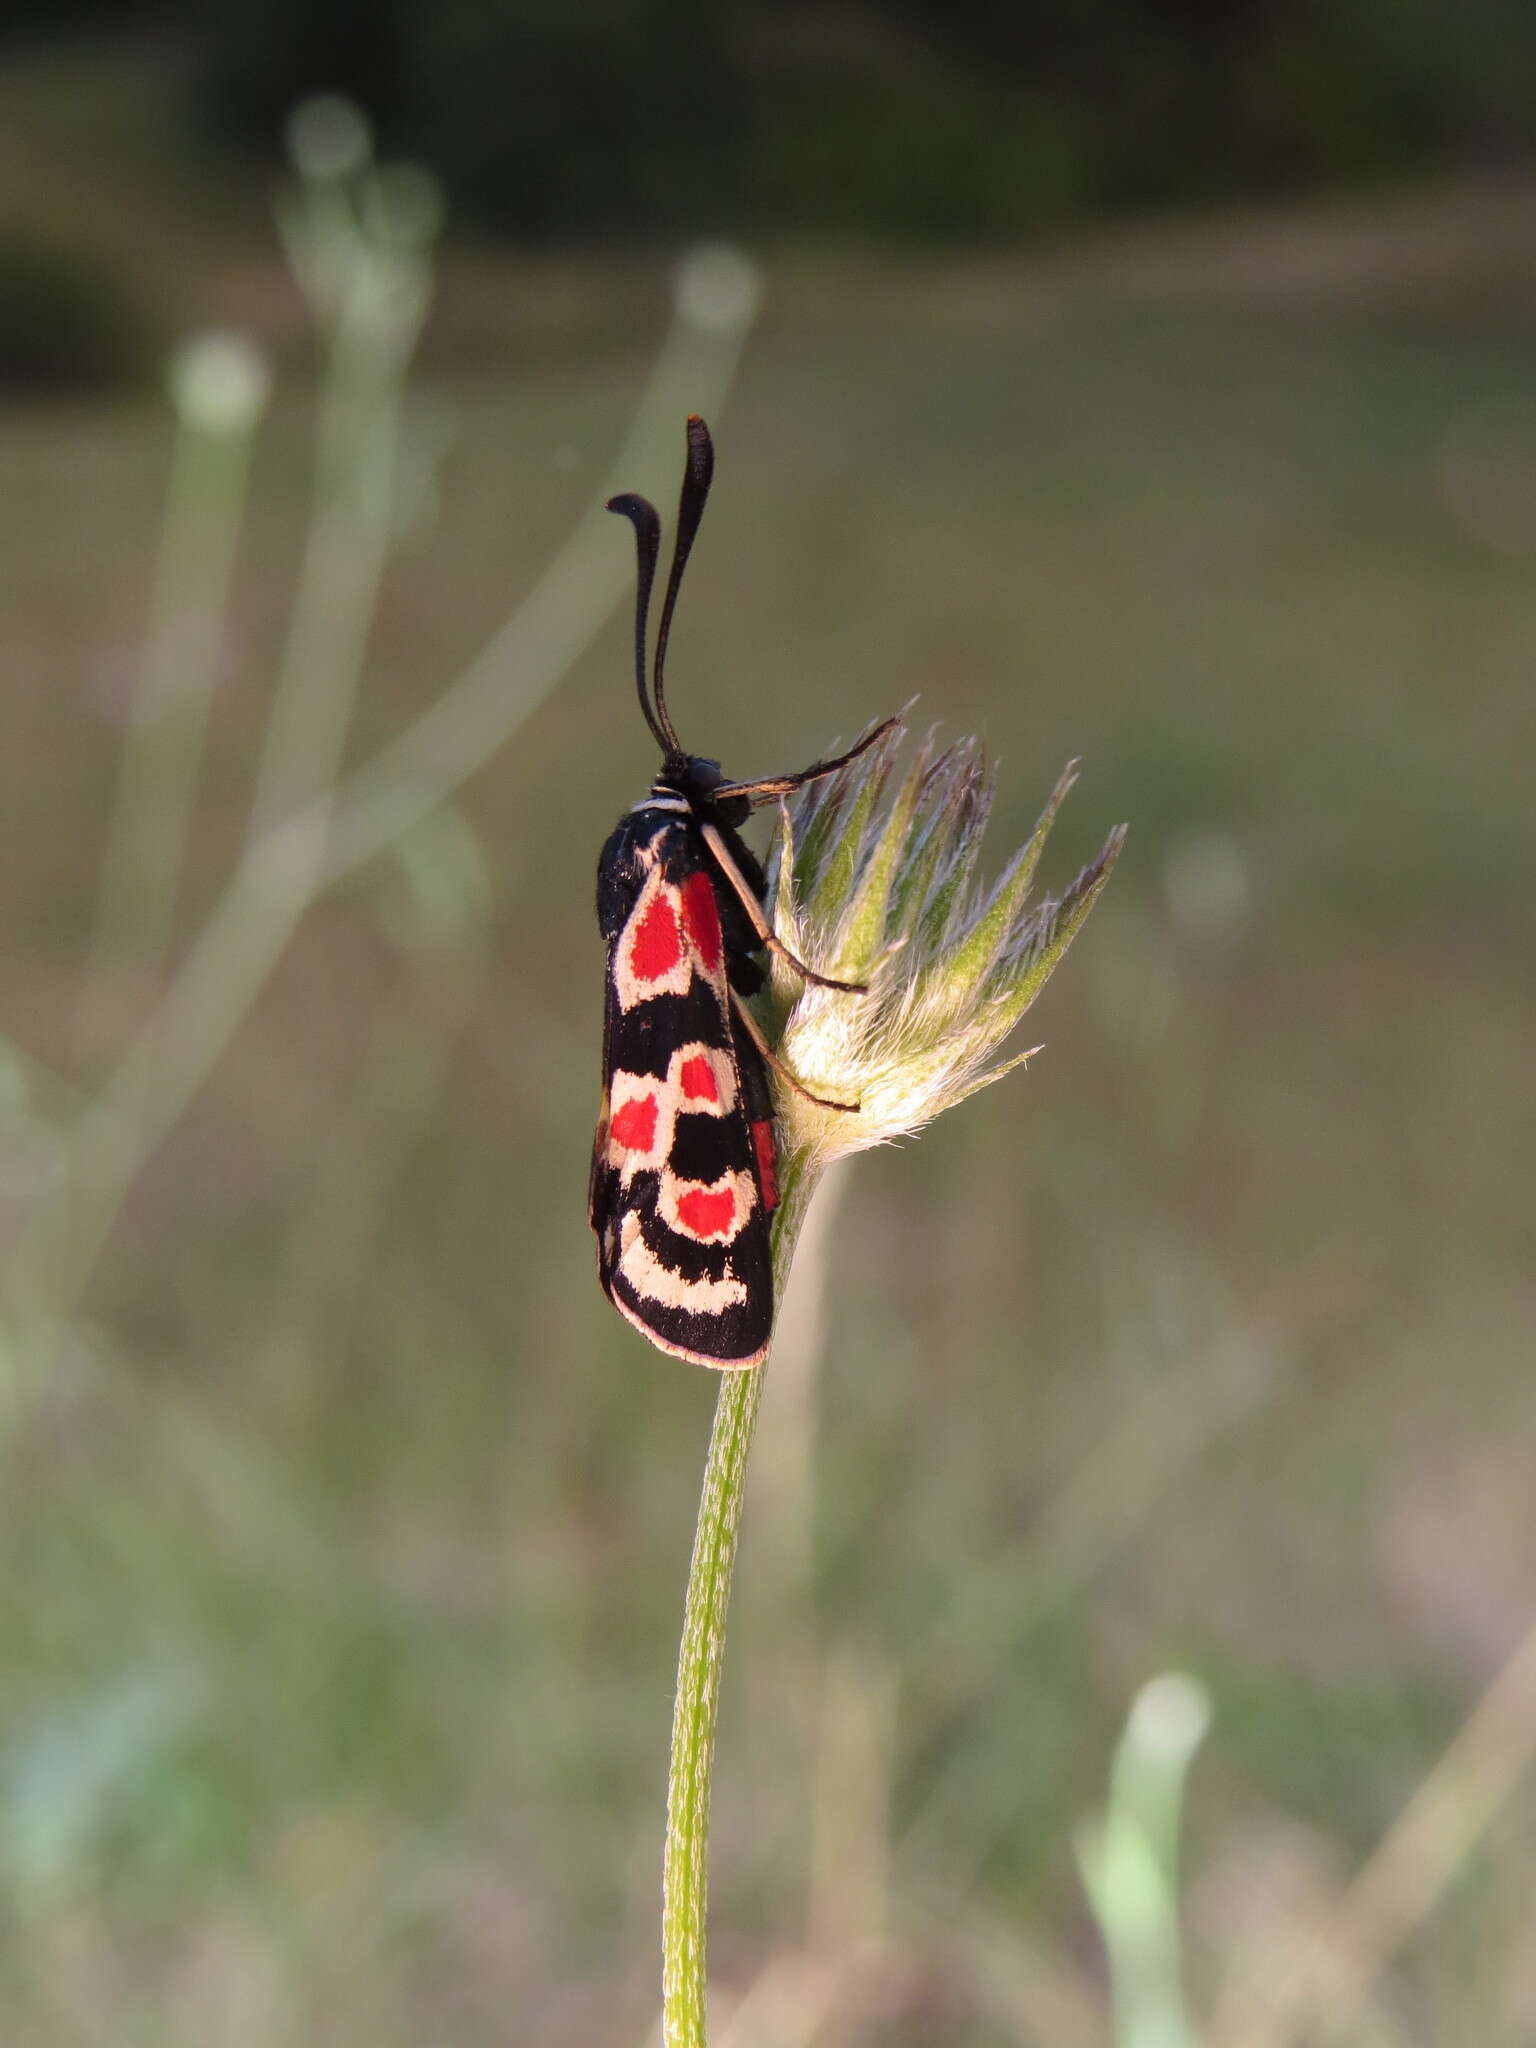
x,y
760,924
754,1031
781,785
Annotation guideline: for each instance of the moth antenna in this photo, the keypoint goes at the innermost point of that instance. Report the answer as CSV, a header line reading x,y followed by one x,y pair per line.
x,y
690,510
642,515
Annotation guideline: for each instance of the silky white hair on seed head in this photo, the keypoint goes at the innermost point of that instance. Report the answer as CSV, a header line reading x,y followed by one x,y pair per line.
x,y
877,884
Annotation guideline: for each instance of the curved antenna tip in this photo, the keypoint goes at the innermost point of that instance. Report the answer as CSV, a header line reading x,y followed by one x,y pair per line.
x,y
701,450
697,477
643,516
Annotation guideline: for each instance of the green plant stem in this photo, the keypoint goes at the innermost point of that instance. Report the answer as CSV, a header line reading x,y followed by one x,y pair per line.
x,y
685,1863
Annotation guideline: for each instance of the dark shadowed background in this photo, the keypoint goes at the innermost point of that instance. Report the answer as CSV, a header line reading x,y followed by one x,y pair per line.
x,y
1149,382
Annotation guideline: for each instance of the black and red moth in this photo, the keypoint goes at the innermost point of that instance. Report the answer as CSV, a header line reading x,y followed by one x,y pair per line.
x,y
683,1165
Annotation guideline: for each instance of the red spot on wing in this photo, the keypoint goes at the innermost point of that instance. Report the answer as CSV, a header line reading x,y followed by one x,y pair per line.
x,y
767,1162
657,945
698,1079
706,1211
701,914
634,1124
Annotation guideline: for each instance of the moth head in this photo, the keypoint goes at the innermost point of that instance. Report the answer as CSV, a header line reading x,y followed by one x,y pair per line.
x,y
697,779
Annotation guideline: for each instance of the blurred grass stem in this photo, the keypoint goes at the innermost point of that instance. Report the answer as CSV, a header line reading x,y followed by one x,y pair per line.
x,y
372,315
1129,1862
184,641
1096,1510
1411,1869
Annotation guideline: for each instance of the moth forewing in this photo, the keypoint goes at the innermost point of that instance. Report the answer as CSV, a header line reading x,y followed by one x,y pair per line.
x,y
679,1199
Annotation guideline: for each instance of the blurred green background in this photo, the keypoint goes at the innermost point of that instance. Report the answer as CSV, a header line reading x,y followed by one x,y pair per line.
x,y
1150,383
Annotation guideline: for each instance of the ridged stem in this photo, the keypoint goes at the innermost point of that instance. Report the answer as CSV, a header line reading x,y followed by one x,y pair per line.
x,y
685,1863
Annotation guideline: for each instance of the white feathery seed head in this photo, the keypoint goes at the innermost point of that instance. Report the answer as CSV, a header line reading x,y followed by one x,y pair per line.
x,y
875,881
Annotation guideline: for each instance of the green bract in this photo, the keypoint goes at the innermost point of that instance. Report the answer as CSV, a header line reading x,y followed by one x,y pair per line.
x,y
875,881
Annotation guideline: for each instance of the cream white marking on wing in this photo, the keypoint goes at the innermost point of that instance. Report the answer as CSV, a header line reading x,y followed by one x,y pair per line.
x,y
656,1282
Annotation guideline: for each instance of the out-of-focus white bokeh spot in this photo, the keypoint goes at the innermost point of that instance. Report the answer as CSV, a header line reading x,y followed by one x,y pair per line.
x,y
1169,1716
328,137
1487,472
1205,879
219,382
717,285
